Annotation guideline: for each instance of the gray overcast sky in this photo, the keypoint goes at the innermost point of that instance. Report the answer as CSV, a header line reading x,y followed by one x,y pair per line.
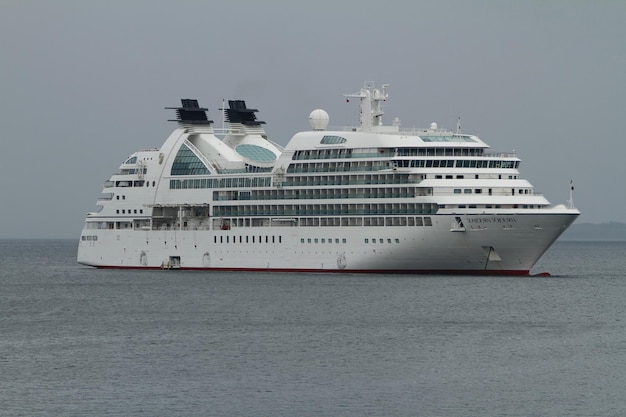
x,y
84,84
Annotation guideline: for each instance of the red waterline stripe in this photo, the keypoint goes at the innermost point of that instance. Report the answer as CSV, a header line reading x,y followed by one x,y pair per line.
x,y
508,272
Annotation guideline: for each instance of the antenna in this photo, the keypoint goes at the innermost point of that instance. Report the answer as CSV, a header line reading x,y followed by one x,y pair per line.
x,y
223,109
458,126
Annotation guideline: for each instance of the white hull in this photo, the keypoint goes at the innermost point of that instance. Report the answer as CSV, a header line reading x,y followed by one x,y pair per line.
x,y
372,198
489,244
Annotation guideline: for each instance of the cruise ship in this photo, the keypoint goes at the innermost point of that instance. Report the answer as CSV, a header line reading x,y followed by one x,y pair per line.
x,y
371,198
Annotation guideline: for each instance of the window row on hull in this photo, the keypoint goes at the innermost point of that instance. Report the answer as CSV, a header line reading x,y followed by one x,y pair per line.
x,y
352,179
344,153
323,209
339,166
322,193
226,224
400,163
295,181
234,182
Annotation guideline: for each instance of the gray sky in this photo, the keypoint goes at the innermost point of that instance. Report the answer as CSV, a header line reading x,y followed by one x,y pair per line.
x,y
83,84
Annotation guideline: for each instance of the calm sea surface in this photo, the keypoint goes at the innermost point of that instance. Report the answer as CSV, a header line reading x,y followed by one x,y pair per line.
x,y
78,341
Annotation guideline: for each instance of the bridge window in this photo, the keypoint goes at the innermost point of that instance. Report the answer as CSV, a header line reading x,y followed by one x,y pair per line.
x,y
332,140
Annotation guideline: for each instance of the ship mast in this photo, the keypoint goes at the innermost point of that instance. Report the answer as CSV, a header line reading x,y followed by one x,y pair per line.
x,y
371,102
570,202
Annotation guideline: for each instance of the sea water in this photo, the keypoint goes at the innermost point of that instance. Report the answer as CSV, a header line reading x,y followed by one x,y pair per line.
x,y
79,341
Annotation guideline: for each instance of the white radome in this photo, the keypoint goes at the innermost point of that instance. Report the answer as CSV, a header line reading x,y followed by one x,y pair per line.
x,y
319,119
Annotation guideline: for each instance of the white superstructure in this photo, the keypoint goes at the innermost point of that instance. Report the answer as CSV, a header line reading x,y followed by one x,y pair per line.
x,y
370,199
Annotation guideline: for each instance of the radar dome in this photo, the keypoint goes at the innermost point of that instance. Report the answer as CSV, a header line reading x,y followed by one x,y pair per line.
x,y
319,119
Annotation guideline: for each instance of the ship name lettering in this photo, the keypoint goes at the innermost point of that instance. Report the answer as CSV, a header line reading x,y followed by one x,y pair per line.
x,y
492,220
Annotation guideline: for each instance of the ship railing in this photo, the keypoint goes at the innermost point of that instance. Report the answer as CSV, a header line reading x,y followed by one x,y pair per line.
x,y
389,154
174,227
352,181
314,170
199,154
500,155
495,192
321,196
391,129
385,154
242,131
